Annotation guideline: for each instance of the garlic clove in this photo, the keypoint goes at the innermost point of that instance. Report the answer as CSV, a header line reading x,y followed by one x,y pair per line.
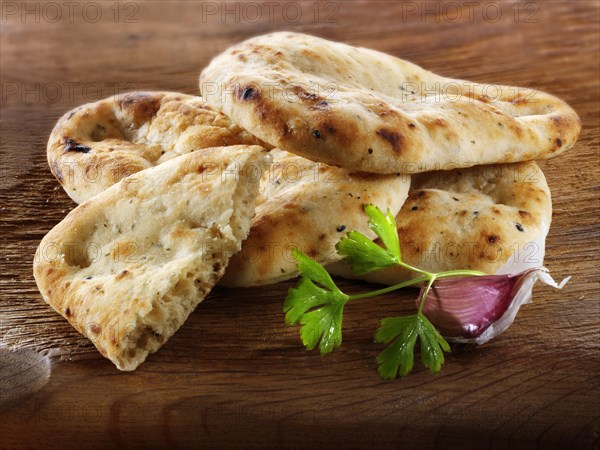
x,y
479,308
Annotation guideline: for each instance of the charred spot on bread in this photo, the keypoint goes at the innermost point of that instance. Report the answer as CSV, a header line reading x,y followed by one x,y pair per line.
x,y
395,139
73,146
141,106
492,238
247,93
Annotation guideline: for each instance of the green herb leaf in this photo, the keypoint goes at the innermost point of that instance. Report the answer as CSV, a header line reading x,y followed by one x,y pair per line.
x,y
398,358
324,325
318,309
314,271
385,227
318,304
366,256
433,345
363,254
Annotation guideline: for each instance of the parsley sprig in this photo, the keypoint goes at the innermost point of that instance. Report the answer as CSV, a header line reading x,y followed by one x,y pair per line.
x,y
317,303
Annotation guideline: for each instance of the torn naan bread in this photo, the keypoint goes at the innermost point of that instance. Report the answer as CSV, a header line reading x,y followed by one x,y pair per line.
x,y
476,218
369,111
127,267
309,206
97,144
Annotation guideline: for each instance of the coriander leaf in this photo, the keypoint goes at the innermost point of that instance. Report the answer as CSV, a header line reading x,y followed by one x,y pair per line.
x,y
325,324
385,227
398,358
314,271
433,345
363,254
303,297
322,325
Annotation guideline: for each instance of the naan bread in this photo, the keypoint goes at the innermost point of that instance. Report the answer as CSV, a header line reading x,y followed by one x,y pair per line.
x,y
97,144
365,110
310,206
127,267
476,218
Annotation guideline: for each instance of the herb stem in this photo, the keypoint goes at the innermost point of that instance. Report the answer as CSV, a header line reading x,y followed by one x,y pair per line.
x,y
449,273
427,276
459,273
425,292
388,289
414,269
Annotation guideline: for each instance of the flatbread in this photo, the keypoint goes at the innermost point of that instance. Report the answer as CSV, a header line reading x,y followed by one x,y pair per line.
x,y
127,267
477,218
310,206
97,144
365,110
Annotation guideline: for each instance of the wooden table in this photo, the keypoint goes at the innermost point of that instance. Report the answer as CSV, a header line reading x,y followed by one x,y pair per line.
x,y
235,376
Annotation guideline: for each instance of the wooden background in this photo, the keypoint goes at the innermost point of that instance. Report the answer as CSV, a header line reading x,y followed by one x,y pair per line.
x,y
235,376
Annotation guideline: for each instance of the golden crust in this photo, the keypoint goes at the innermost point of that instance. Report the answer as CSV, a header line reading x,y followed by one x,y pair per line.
x,y
95,145
128,266
309,206
365,110
475,218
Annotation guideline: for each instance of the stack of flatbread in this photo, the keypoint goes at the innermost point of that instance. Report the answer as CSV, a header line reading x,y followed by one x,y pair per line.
x,y
292,135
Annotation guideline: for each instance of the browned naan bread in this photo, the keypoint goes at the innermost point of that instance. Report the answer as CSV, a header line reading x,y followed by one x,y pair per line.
x,y
476,218
128,266
309,206
97,144
365,110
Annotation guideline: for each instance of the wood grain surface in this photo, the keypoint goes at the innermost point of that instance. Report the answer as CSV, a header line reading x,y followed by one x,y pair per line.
x,y
235,376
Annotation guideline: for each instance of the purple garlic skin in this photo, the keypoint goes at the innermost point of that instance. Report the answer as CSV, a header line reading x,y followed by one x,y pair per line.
x,y
476,309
